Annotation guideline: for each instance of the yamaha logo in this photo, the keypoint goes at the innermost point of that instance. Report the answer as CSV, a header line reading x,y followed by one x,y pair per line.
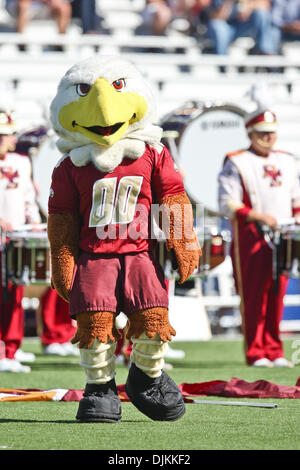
x,y
222,124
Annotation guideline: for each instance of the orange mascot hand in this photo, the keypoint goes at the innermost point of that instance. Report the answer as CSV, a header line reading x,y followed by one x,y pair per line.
x,y
181,237
63,234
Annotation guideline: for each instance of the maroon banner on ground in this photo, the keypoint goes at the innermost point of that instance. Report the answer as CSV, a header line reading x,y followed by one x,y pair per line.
x,y
242,389
235,387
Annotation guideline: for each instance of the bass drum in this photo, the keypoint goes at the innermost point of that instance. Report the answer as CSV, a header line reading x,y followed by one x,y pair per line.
x,y
44,158
199,136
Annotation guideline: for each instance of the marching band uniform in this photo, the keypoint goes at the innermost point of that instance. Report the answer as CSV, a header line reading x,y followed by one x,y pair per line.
x,y
267,184
57,326
17,207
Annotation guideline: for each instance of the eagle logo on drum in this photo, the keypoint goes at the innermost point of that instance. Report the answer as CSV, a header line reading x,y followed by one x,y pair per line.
x,y
272,172
10,175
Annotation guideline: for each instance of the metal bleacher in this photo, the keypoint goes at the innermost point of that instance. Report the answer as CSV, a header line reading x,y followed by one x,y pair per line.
x,y
175,64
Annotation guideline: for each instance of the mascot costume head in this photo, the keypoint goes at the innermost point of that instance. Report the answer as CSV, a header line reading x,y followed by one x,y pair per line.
x,y
103,118
113,169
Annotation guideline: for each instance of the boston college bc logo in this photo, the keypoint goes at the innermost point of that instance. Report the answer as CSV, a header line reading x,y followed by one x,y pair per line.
x,y
270,171
11,176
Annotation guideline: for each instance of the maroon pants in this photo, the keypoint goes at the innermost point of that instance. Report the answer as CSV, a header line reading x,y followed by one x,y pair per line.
x,y
11,320
121,341
117,283
261,303
57,325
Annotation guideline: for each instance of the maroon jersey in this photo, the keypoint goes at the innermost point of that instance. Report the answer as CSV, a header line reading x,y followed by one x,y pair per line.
x,y
115,208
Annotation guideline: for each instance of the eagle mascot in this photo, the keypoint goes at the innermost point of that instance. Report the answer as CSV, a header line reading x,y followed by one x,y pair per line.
x,y
112,171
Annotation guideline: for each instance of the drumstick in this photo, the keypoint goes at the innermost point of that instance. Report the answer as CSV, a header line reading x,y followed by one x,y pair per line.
x,y
236,403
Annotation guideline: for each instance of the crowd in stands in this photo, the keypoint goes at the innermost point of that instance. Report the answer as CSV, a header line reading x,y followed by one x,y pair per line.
x,y
63,11
268,22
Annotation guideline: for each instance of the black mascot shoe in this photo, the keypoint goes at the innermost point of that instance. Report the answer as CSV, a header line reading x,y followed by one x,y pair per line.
x,y
160,399
100,403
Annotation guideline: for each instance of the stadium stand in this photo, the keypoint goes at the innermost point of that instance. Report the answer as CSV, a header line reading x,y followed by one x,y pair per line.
x,y
175,64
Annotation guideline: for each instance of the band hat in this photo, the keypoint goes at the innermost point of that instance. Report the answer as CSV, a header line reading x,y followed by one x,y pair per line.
x,y
7,122
261,121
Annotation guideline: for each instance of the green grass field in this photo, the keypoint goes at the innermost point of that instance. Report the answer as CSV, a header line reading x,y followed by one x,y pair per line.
x,y
52,425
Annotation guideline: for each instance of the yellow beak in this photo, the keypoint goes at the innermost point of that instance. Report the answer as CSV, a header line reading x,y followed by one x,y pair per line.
x,y
104,114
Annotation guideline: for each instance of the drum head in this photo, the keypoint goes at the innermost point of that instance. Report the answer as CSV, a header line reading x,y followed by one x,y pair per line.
x,y
203,144
43,163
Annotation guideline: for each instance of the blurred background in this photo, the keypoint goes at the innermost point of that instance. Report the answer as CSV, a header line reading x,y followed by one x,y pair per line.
x,y
209,63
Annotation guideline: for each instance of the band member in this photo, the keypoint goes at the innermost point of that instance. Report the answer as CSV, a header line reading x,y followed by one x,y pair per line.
x,y
17,207
259,187
57,327
54,325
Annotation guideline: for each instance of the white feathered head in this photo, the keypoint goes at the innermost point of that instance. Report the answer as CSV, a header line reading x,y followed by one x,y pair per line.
x,y
103,111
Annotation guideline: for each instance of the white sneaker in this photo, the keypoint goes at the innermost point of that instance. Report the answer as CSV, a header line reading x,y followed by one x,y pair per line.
x,y
70,349
119,359
12,365
54,349
174,354
264,362
61,349
22,356
282,362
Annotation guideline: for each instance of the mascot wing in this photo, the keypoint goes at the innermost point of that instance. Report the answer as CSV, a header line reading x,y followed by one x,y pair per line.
x,y
63,234
182,240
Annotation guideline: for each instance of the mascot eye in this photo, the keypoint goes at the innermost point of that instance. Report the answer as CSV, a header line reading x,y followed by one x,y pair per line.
x,y
82,89
119,84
